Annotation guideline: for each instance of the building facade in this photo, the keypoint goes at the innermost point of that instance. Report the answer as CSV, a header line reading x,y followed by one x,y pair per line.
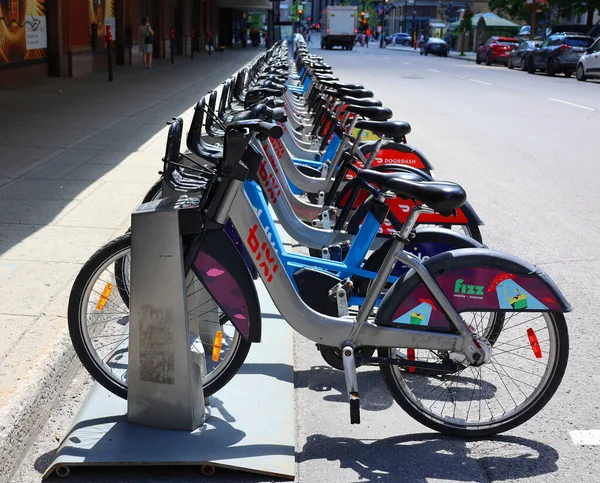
x,y
68,38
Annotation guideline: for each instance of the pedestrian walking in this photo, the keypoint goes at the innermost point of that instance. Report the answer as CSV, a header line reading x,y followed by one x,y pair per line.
x,y
308,38
145,41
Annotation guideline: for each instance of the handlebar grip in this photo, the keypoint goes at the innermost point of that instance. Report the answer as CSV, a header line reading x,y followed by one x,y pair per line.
x,y
271,130
276,113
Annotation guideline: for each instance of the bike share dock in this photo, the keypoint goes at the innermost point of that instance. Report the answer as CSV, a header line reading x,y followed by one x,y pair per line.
x,y
249,424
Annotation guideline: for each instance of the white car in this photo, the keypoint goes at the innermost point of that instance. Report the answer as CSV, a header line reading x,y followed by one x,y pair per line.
x,y
588,66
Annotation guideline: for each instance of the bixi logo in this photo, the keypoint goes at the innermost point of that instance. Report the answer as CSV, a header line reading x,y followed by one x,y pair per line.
x,y
461,287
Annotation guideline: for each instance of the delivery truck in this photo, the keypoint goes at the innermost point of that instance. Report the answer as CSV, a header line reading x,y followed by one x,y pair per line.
x,y
338,27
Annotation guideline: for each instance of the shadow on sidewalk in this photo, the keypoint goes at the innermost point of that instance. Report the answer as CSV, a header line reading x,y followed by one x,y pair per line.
x,y
62,137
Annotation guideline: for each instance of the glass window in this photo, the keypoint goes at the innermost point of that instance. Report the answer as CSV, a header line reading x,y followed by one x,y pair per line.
x,y
596,46
491,40
578,41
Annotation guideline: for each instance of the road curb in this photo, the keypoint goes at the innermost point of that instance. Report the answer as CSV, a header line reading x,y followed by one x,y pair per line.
x,y
48,382
453,56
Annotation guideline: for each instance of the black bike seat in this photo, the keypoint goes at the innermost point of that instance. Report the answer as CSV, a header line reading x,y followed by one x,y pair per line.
x,y
386,129
367,102
372,113
274,85
358,93
340,85
442,196
258,94
322,77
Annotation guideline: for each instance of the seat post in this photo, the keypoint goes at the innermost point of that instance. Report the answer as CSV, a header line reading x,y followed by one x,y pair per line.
x,y
400,241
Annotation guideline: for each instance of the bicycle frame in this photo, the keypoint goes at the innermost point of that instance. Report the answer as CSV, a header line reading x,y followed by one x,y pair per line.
x,y
291,262
331,331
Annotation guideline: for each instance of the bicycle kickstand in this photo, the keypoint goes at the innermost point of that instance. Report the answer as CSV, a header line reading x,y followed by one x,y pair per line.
x,y
351,383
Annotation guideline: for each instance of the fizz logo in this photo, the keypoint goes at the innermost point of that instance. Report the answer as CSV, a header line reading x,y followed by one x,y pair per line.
x,y
269,182
461,288
262,254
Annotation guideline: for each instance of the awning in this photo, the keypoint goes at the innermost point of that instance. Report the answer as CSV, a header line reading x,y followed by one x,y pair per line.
x,y
437,25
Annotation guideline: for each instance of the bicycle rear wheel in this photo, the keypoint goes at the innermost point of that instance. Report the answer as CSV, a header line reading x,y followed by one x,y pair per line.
x,y
529,357
98,320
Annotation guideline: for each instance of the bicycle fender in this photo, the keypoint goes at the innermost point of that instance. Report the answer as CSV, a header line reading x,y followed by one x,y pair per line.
x,y
473,279
470,213
222,270
427,243
398,153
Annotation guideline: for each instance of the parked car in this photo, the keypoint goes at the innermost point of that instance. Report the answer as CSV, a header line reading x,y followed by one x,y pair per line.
x,y
496,49
434,46
559,53
589,63
524,33
400,38
517,57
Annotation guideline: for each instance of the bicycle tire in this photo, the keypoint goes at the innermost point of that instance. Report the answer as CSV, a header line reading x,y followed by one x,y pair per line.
x,y
84,349
154,193
450,425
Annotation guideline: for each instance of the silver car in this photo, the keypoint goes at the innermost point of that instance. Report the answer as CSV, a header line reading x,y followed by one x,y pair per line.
x,y
588,66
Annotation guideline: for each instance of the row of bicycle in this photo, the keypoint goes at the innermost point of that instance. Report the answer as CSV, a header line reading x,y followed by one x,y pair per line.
x,y
470,341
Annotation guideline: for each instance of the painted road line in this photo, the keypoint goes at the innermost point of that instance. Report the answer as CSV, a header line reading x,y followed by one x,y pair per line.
x,y
587,437
405,63
571,104
436,71
386,58
481,82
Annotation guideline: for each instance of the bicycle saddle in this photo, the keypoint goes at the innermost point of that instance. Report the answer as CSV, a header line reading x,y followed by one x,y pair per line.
x,y
372,113
340,85
358,93
274,85
386,129
280,79
259,94
442,196
367,102
322,77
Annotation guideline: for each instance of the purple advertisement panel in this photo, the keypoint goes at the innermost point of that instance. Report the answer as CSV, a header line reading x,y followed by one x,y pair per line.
x,y
225,290
476,289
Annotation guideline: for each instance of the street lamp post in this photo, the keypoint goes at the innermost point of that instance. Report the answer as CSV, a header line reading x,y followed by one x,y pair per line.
x,y
414,24
382,23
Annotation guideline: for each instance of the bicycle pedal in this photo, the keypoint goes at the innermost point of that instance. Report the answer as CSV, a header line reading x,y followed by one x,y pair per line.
x,y
354,409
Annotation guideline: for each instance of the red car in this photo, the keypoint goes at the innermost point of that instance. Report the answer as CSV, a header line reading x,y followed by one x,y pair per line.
x,y
496,49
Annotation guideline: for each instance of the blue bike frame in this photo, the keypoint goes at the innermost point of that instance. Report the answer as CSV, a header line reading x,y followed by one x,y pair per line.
x,y
292,262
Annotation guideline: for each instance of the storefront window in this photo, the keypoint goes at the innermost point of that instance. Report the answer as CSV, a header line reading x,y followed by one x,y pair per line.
x,y
23,33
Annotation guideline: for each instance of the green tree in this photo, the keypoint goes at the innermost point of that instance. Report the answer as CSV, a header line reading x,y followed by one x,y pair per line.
x,y
256,20
465,27
578,7
519,9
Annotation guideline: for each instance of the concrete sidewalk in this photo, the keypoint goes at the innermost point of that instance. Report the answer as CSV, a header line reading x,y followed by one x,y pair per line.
x,y
454,54
76,157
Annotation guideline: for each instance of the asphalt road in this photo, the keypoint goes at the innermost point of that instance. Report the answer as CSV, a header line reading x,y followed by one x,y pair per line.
x,y
525,149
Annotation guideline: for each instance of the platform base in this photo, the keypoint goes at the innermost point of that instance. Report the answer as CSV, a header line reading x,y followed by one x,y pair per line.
x,y
250,428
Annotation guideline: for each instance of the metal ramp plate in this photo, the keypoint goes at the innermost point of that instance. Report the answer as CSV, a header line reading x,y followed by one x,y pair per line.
x,y
250,428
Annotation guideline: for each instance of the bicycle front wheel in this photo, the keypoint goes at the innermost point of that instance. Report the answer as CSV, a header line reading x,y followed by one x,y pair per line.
x,y
529,358
98,319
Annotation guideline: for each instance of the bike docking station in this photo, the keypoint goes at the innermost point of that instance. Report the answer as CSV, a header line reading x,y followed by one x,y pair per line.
x,y
248,425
